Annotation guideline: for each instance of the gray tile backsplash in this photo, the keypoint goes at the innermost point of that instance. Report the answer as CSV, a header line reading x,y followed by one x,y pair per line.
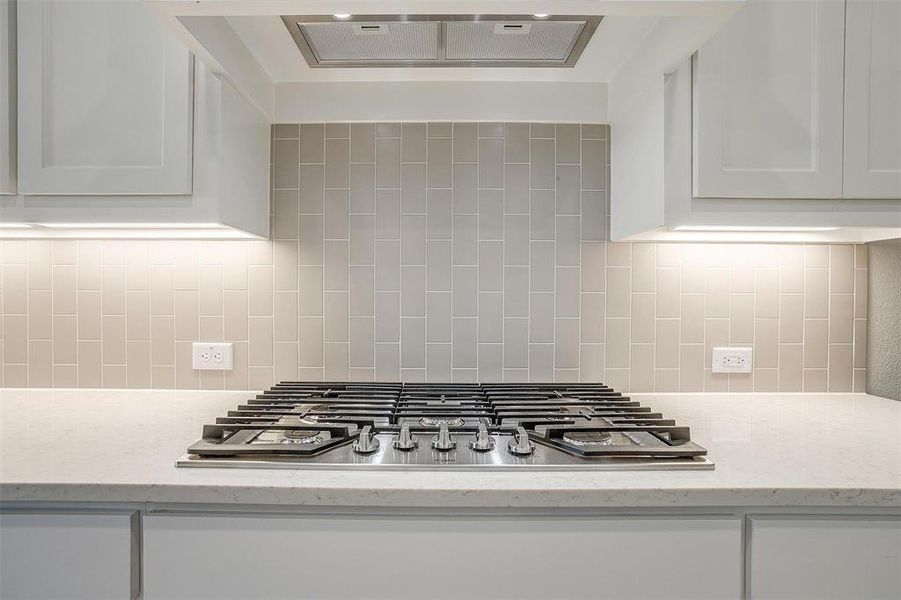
x,y
441,251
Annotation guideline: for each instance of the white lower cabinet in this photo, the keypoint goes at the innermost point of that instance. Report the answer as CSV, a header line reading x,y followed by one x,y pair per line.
x,y
64,555
847,559
267,556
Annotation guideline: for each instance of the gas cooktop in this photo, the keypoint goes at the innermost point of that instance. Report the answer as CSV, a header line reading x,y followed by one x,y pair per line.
x,y
554,426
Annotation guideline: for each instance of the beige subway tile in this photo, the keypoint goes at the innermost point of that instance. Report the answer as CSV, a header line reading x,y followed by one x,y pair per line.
x,y
260,290
162,286
641,368
236,379
112,294
138,372
768,256
64,252
592,317
89,364
715,382
234,267
285,368
186,378
741,382
692,318
335,359
861,256
15,338
816,348
790,368
15,252
791,269
791,318
594,258
113,339
716,334
717,293
137,315
40,257
668,297
860,343
260,378
841,269
741,318
860,380
209,302
259,341
694,275
137,265
691,368
841,318
114,376
284,266
669,255
186,266
40,364
766,343
162,340
618,379
187,316
667,344
619,300
65,376
65,341
840,368
642,318
860,293
211,380
591,363
64,286
767,293
742,275
815,380
285,317
15,290
666,380
40,323
235,318
88,315
644,267
211,329
618,342
15,376
619,254
88,252
816,256
766,380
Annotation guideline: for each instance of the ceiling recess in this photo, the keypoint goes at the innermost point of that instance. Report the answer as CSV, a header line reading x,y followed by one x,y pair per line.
x,y
441,40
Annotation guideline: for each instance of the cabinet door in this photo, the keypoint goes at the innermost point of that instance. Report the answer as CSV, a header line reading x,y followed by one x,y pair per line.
x,y
7,97
873,99
767,103
269,557
822,559
105,100
67,555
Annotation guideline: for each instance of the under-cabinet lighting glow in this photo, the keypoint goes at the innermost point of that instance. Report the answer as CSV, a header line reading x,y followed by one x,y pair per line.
x,y
14,225
541,16
752,228
342,16
153,231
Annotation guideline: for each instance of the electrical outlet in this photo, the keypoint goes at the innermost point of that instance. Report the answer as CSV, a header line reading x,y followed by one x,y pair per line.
x,y
213,356
731,360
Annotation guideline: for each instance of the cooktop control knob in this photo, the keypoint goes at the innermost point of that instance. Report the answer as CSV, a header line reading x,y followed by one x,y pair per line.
x,y
520,445
404,440
483,442
367,443
443,441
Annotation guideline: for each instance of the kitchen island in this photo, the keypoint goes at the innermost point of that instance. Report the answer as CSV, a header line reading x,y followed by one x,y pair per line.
x,y
805,496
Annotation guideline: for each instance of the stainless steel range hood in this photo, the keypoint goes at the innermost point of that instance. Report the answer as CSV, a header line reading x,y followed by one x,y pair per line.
x,y
441,40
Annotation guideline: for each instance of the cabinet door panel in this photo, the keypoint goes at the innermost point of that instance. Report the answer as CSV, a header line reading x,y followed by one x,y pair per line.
x,y
872,165
7,97
66,555
267,557
767,103
823,559
105,100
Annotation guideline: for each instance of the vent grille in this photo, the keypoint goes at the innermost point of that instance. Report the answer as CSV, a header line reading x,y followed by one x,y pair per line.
x,y
372,41
441,40
512,40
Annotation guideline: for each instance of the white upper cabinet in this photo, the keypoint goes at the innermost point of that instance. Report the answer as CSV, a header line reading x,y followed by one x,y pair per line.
x,y
105,100
767,103
7,97
872,166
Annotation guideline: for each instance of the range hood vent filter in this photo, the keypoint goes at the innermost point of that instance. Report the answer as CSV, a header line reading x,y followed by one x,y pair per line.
x,y
479,41
372,41
441,40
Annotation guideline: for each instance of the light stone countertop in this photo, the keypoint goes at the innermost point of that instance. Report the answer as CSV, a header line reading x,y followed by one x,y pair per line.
x,y
770,450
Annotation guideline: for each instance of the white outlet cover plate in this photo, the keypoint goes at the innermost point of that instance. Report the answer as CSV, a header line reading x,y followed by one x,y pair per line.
x,y
213,356
731,360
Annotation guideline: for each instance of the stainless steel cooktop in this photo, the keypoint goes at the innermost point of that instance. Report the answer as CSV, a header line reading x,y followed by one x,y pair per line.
x,y
340,425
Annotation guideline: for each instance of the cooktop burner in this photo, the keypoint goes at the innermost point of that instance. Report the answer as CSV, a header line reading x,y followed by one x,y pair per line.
x,y
337,425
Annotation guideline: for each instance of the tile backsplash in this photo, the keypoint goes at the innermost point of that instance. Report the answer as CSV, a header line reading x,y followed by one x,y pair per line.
x,y
434,251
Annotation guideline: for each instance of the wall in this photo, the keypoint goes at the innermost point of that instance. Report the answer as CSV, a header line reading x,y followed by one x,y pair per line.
x,y
884,350
443,252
